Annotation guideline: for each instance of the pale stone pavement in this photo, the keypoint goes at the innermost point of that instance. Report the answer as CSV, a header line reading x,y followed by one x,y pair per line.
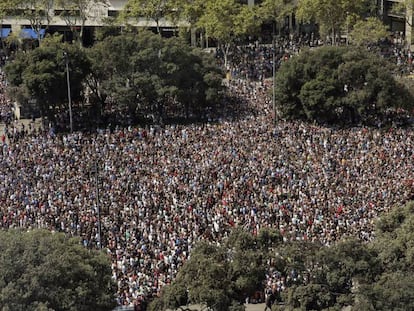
x,y
249,307
18,123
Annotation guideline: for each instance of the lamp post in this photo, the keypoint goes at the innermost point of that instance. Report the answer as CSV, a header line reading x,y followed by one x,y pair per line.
x,y
69,96
347,28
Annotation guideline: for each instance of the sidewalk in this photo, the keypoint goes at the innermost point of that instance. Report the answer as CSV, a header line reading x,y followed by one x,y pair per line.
x,y
249,307
18,123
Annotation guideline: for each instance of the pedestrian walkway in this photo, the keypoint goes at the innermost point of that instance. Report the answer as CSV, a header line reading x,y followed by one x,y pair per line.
x,y
249,307
37,124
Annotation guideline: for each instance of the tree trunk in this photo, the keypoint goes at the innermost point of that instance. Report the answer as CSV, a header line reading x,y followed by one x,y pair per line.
x,y
157,22
225,49
81,33
193,36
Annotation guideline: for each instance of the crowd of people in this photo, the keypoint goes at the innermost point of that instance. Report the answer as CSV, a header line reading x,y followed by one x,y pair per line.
x,y
255,61
148,194
162,189
6,105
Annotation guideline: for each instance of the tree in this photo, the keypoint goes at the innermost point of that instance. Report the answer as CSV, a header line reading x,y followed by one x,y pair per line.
x,y
154,10
325,278
247,21
393,288
318,97
223,21
220,276
373,276
77,12
276,10
188,12
40,270
37,12
294,80
330,15
143,73
192,79
367,32
5,9
127,69
336,84
40,75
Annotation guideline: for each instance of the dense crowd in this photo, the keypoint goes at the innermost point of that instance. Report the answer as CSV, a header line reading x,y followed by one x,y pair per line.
x,y
255,61
161,189
158,190
6,105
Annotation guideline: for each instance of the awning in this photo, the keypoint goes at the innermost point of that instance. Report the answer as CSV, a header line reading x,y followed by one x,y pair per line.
x,y
28,33
5,32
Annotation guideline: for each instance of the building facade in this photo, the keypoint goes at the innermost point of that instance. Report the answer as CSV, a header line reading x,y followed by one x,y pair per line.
x,y
398,23
97,14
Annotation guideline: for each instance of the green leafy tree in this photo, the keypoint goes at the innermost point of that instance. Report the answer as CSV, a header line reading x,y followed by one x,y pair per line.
x,y
110,27
223,21
247,21
367,32
372,88
142,73
318,97
330,15
334,84
40,74
6,7
187,13
127,68
220,276
191,76
393,288
40,270
152,10
77,12
211,89
325,278
37,12
276,10
293,82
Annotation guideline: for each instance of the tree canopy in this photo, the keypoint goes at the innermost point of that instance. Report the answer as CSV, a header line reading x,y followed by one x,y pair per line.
x,y
276,11
140,74
37,12
221,276
367,32
331,15
146,73
225,21
40,270
338,84
75,12
40,75
153,10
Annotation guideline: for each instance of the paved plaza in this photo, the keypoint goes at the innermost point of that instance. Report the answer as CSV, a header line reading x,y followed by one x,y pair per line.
x,y
249,307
